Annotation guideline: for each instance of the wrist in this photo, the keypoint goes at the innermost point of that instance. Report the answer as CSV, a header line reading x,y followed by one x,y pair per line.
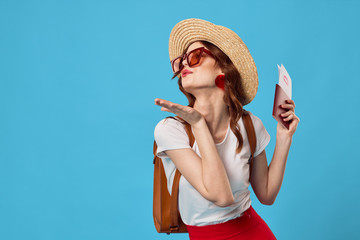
x,y
199,123
283,139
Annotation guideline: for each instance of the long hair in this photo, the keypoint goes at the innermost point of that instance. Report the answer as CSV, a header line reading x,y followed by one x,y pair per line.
x,y
232,89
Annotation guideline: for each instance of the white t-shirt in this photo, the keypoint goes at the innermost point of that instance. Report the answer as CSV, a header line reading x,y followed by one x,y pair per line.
x,y
193,207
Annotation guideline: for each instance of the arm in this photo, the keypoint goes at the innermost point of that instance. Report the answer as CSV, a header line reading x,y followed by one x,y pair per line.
x,y
266,181
207,173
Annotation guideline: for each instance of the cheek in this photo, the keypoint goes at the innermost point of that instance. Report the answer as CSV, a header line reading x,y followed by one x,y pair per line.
x,y
201,78
207,74
208,69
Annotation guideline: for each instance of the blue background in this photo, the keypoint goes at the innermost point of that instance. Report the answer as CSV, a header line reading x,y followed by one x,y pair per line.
x,y
78,81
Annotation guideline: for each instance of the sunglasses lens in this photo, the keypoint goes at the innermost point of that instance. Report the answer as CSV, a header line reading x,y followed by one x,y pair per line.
x,y
194,57
177,64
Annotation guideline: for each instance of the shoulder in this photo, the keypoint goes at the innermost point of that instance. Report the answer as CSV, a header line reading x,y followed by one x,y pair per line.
x,y
260,130
262,136
170,133
255,120
168,124
169,121
168,127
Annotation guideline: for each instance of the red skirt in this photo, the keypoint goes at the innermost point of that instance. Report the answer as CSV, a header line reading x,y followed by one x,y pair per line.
x,y
249,226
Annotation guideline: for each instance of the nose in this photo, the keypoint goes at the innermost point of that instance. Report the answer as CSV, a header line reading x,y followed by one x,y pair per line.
x,y
184,61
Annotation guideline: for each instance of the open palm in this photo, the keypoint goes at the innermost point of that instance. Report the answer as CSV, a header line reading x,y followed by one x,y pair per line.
x,y
187,113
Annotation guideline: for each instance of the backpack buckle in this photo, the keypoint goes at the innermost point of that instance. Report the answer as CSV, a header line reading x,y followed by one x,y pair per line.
x,y
174,228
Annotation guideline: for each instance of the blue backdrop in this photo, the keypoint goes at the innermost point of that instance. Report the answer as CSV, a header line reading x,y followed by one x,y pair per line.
x,y
78,81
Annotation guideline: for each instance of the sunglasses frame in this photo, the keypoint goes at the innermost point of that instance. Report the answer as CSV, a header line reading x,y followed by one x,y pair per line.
x,y
186,56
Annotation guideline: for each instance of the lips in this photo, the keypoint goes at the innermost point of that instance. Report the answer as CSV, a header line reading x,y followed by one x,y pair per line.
x,y
185,72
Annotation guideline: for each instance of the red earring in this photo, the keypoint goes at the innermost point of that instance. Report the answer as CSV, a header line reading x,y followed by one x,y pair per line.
x,y
220,81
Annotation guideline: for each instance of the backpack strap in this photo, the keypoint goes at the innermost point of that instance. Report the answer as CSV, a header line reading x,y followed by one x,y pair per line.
x,y
250,132
174,213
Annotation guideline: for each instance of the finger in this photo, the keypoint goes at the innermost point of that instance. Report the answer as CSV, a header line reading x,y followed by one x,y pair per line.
x,y
161,102
288,106
158,101
285,114
291,102
291,116
170,106
165,109
175,108
178,108
296,118
293,125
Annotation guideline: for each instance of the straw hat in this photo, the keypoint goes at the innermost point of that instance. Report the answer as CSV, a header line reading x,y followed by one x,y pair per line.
x,y
190,30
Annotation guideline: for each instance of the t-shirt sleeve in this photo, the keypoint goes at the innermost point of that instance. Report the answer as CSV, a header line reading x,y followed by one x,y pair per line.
x,y
170,134
262,136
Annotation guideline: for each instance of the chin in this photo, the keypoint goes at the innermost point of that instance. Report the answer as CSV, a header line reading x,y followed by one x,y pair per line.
x,y
185,83
188,88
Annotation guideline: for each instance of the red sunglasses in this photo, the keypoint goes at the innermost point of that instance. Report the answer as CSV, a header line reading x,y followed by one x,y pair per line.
x,y
193,57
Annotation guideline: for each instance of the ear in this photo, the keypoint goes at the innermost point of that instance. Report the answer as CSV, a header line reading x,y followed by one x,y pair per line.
x,y
220,72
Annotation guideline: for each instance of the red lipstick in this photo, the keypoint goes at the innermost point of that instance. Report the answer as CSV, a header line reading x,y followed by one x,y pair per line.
x,y
185,72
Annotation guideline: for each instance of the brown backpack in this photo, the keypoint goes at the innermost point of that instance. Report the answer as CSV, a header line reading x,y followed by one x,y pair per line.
x,y
165,206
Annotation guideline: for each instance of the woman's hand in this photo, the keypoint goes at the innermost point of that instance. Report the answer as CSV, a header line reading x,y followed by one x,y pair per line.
x,y
290,117
189,114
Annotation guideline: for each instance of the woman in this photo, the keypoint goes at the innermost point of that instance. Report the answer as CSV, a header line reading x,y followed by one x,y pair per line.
x,y
218,76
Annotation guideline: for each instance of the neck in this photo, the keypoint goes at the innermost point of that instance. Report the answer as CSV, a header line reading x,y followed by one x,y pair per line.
x,y
214,110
